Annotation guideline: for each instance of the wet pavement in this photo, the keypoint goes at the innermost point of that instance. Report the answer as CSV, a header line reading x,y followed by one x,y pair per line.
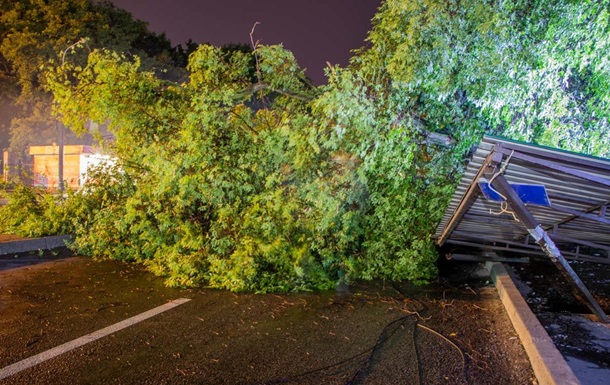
x,y
580,337
369,333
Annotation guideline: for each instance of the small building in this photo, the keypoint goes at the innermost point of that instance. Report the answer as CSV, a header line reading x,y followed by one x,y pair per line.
x,y
45,164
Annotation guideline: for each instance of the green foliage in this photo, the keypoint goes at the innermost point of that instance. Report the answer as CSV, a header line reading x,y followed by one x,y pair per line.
x,y
210,190
32,32
399,181
254,180
265,185
529,70
34,213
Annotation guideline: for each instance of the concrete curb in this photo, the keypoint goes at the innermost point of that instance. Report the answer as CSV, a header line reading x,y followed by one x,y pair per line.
x,y
549,365
25,245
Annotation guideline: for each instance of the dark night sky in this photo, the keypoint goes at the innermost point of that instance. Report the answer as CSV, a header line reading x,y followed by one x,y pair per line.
x,y
316,31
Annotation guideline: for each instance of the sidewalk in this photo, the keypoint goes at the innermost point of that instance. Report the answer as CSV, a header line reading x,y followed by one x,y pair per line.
x,y
13,245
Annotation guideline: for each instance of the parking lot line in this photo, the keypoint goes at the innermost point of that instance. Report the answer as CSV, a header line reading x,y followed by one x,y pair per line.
x,y
56,351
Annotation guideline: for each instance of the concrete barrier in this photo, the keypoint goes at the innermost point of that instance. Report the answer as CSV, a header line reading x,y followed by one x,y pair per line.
x,y
33,244
549,365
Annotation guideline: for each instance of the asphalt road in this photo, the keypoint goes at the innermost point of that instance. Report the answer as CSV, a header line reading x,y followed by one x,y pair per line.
x,y
370,334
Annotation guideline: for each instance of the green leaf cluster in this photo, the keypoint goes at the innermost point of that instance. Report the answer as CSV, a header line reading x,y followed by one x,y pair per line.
x,y
530,70
32,212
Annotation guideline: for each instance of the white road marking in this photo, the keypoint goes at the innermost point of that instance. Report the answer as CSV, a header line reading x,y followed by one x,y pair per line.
x,y
56,351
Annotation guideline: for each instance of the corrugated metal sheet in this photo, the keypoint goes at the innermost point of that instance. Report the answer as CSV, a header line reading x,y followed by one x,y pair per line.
x,y
588,193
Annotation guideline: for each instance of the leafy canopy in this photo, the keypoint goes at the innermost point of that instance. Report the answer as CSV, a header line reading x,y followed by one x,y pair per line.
x,y
33,32
530,70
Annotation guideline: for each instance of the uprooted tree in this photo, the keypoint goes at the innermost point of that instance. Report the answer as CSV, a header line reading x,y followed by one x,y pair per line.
x,y
263,182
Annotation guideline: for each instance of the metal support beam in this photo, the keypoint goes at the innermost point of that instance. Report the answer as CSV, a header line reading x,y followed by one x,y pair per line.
x,y
484,241
529,250
562,238
557,167
580,214
593,164
468,200
542,238
483,258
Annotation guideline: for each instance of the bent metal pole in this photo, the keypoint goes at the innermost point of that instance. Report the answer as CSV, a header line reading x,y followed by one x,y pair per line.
x,y
495,172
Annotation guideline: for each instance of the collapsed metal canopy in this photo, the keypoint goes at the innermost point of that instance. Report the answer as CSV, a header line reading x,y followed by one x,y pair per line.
x,y
574,221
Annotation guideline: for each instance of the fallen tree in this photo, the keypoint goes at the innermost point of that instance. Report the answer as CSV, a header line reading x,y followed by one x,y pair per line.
x,y
267,183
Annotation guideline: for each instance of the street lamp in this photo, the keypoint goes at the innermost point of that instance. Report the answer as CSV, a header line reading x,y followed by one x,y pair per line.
x,y
60,168
60,171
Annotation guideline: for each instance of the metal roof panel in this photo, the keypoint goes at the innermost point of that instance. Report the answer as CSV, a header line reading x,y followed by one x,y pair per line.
x,y
577,186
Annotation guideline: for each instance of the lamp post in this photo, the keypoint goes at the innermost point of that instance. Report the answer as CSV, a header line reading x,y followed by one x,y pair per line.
x,y
60,171
60,168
